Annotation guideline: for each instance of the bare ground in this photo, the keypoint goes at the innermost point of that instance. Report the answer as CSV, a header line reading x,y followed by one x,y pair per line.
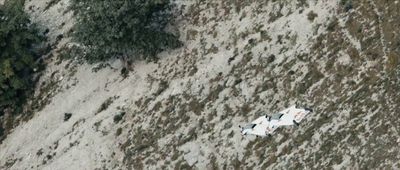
x,y
241,59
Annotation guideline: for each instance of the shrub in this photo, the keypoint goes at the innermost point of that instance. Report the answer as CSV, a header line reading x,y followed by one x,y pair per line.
x,y
105,104
347,4
311,16
134,28
18,36
118,117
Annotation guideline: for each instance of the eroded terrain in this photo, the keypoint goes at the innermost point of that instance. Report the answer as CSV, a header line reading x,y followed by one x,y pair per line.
x,y
240,60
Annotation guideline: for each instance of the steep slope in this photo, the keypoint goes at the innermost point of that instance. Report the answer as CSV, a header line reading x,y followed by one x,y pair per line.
x,y
241,60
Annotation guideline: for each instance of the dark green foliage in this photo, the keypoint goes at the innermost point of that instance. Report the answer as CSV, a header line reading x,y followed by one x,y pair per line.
x,y
67,116
118,117
17,55
134,28
105,104
50,4
119,131
1,132
347,4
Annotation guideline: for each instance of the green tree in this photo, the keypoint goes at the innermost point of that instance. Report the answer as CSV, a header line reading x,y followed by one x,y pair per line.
x,y
17,55
128,29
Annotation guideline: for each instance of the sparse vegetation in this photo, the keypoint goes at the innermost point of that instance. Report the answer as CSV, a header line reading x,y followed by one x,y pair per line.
x,y
186,116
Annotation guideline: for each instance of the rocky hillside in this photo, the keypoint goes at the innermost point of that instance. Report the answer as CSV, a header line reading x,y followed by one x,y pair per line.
x,y
240,60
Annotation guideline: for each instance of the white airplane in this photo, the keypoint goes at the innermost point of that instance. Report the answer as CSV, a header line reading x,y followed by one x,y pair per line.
x,y
266,125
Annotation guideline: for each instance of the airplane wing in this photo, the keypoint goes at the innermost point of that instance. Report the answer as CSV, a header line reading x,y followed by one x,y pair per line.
x,y
258,130
293,115
257,127
265,125
263,129
287,110
260,120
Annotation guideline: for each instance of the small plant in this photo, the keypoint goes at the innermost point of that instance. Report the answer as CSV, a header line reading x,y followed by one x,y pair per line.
x,y
50,4
67,116
347,4
118,117
119,131
332,25
311,16
105,104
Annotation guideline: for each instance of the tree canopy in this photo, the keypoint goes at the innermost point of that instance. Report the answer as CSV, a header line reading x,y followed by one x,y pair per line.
x,y
17,55
123,28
